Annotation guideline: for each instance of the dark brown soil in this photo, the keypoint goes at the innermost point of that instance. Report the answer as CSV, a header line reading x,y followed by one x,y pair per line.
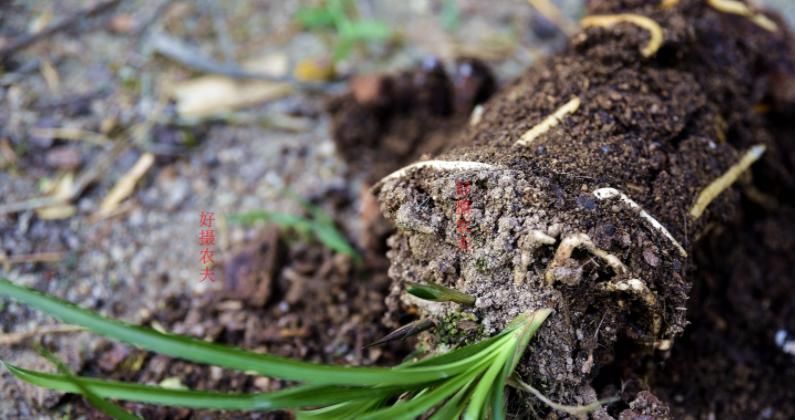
x,y
658,129
728,363
388,121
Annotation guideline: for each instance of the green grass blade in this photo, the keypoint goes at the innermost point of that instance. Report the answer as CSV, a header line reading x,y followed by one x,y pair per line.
x,y
498,393
321,226
107,407
226,356
333,239
408,410
454,406
438,293
529,325
314,18
478,402
350,410
286,220
457,354
297,397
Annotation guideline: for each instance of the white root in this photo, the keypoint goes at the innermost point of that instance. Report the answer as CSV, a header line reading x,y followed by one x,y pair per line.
x,y
607,193
549,122
550,11
443,165
713,190
637,287
572,242
528,243
476,115
735,7
656,36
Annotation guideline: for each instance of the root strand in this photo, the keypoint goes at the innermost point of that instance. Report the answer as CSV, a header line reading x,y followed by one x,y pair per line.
x,y
713,190
606,193
735,7
443,165
549,122
572,242
655,30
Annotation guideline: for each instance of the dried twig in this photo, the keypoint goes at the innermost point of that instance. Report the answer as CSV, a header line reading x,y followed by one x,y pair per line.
x,y
125,186
71,133
31,258
403,332
194,59
15,338
85,179
27,40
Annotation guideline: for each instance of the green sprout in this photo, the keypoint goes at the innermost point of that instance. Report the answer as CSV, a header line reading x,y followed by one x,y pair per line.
x,y
320,226
451,15
468,381
438,293
95,400
335,15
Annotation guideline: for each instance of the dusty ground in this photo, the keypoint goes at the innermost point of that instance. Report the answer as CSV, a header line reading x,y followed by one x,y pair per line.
x,y
142,264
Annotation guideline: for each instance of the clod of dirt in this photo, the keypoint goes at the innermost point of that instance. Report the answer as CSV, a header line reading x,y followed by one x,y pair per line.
x,y
249,273
591,213
646,406
387,121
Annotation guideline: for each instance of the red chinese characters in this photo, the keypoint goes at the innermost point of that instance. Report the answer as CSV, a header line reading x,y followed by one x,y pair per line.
x,y
207,241
462,213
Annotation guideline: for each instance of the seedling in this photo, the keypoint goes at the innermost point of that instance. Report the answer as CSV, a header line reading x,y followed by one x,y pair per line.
x,y
467,382
319,225
437,293
335,15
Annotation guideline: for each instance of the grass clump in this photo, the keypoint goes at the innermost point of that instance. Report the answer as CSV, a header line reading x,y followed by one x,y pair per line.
x,y
467,382
350,31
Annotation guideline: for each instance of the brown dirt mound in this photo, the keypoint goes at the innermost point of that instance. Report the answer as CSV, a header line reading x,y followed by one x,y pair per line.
x,y
517,215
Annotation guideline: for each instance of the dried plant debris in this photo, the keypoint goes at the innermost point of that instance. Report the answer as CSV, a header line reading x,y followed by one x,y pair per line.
x,y
591,179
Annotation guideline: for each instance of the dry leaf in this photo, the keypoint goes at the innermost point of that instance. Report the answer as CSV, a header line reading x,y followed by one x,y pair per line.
x,y
57,212
208,95
125,186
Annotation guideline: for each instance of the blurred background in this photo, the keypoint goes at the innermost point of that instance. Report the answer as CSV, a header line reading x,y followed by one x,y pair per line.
x,y
120,122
